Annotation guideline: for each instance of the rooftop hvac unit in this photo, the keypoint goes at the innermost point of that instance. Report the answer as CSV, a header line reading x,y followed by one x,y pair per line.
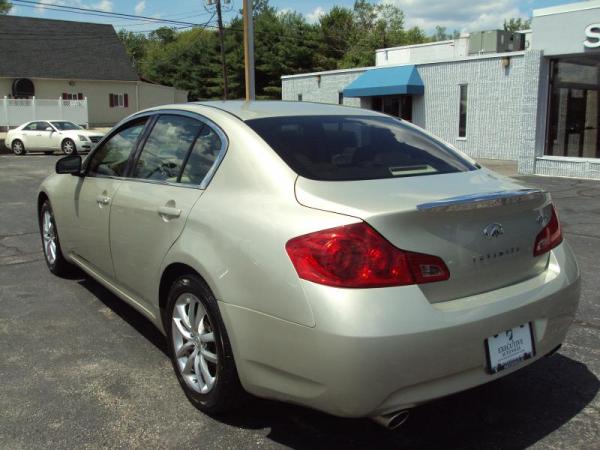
x,y
495,41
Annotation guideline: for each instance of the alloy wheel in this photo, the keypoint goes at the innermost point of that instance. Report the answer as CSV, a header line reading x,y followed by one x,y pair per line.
x,y
68,147
17,148
49,237
194,343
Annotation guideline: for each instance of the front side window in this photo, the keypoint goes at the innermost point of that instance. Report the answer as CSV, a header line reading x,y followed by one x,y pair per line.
x,y
42,126
112,157
64,125
338,148
166,148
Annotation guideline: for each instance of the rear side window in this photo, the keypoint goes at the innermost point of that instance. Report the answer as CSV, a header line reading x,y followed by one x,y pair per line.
x,y
111,159
338,148
203,156
166,148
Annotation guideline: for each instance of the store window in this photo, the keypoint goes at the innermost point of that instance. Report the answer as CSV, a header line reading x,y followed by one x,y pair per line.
x,y
462,112
573,110
299,97
394,105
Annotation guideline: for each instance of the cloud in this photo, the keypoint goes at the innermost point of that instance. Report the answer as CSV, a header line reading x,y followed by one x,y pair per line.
x,y
314,16
140,7
284,11
463,15
104,5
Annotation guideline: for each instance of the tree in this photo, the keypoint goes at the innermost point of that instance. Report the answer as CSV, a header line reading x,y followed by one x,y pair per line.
x,y
441,34
136,45
165,35
517,24
5,6
376,26
284,43
335,27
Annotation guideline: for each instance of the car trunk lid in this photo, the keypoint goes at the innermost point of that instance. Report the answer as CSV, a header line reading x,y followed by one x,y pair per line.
x,y
483,226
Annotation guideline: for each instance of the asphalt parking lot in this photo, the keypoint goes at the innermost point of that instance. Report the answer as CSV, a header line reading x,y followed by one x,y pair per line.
x,y
79,368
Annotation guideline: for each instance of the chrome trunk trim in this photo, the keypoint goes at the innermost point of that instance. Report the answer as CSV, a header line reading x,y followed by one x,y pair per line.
x,y
485,200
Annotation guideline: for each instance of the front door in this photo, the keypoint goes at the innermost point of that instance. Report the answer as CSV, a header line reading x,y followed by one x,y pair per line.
x,y
151,208
41,137
95,196
89,239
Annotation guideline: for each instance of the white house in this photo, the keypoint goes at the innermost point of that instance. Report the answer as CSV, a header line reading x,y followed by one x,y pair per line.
x,y
52,59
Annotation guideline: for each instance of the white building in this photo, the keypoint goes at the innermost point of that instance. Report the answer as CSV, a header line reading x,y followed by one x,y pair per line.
x,y
52,59
532,97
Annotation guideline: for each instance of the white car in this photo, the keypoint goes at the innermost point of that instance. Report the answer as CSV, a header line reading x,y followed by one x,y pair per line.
x,y
51,135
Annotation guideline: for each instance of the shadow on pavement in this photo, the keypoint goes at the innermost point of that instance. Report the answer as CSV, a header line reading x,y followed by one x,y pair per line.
x,y
512,412
125,312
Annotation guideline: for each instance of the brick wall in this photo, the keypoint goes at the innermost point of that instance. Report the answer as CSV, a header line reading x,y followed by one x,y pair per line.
x,y
324,91
501,104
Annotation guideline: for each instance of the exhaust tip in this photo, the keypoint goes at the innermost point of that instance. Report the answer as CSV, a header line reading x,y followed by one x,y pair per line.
x,y
393,420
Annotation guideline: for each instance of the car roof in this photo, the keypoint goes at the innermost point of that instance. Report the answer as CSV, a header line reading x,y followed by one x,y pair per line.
x,y
258,109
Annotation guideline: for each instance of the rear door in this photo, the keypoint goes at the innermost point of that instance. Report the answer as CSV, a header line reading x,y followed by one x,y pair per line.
x,y
95,194
151,207
29,136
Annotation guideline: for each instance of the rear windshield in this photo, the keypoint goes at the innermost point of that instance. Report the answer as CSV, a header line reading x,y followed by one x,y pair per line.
x,y
336,148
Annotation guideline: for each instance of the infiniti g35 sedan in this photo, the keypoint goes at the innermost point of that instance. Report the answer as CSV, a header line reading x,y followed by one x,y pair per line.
x,y
327,256
51,135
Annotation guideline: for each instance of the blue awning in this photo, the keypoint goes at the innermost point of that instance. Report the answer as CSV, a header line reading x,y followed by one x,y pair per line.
x,y
386,81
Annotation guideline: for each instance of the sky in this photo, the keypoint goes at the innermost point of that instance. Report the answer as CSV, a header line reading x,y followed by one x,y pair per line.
x,y
462,15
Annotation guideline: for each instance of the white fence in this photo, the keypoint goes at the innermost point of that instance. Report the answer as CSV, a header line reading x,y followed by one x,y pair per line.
x,y
14,112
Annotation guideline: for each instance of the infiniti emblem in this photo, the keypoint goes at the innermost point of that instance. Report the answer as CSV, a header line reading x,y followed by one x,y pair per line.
x,y
493,230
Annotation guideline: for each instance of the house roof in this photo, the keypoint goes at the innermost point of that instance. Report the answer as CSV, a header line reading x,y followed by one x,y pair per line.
x,y
42,48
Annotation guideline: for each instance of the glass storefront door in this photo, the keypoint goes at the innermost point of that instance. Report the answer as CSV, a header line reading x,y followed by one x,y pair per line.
x,y
574,113
394,105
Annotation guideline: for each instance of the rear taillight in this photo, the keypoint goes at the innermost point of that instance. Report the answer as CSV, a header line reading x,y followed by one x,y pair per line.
x,y
549,237
356,256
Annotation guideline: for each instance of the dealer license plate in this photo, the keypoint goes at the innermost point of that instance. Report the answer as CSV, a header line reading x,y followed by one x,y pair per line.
x,y
509,347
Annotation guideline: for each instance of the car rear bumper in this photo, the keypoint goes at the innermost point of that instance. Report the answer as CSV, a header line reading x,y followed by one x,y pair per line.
x,y
380,350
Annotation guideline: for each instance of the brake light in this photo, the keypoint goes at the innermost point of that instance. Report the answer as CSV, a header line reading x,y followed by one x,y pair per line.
x,y
549,237
356,256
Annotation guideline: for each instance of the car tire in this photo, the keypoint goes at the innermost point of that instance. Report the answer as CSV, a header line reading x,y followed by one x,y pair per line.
x,y
18,147
53,255
208,340
68,147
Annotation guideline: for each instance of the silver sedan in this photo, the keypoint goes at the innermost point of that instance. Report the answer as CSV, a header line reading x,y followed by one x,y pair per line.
x,y
327,256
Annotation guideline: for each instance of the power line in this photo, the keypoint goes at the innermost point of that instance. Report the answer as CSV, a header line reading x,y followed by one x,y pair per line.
x,y
107,14
97,12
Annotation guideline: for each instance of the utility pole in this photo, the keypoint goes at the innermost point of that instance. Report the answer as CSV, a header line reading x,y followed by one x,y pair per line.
x,y
217,4
249,49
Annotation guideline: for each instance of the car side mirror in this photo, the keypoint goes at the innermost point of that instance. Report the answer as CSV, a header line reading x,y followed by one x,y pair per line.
x,y
49,129
69,164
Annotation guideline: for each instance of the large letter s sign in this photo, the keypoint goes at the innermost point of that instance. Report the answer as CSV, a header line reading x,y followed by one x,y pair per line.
x,y
592,33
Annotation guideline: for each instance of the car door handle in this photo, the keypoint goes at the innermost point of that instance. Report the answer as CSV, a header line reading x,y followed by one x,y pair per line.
x,y
169,212
103,200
